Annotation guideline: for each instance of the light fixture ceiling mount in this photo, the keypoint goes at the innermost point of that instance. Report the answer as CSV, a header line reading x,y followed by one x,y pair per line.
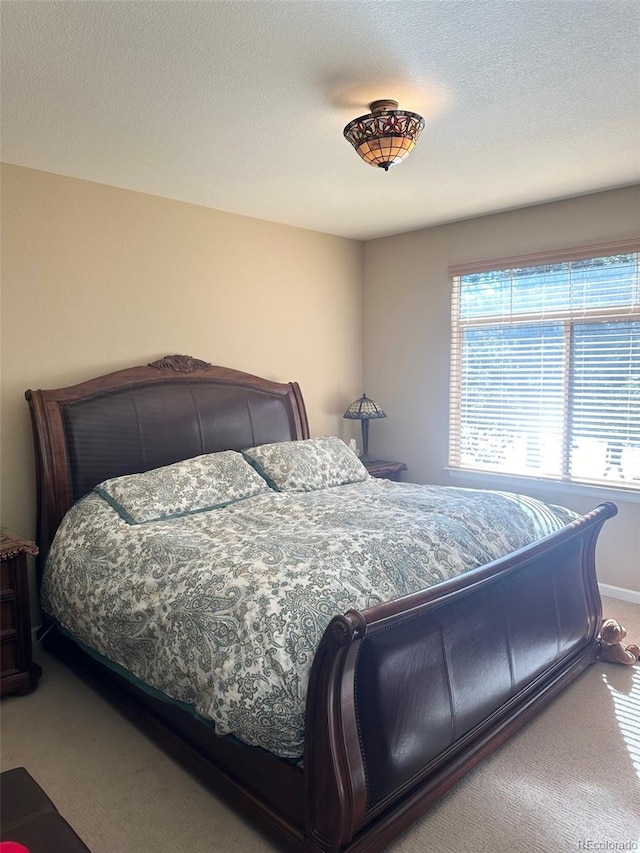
x,y
386,135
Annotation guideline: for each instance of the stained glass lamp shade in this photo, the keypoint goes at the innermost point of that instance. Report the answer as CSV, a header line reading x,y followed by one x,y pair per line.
x,y
386,135
364,409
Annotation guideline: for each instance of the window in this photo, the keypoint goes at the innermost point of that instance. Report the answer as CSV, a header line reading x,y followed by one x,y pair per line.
x,y
545,378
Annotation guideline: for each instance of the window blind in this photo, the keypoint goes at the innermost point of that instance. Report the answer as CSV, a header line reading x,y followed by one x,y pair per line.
x,y
545,370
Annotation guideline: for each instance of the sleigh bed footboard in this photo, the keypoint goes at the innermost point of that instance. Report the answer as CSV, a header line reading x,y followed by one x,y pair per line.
x,y
407,696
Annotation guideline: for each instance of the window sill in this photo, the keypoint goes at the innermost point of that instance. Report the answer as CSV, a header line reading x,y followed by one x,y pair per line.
x,y
491,479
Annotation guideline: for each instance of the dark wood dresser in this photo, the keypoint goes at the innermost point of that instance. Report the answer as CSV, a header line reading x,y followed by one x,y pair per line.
x,y
19,673
385,470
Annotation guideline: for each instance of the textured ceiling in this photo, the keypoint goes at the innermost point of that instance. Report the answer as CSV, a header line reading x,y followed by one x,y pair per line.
x,y
240,105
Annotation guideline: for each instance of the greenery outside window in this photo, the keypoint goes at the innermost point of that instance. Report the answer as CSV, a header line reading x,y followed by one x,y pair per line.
x,y
545,368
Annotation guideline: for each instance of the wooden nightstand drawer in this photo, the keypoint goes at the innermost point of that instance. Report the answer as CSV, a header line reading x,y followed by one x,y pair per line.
x,y
7,577
9,657
8,617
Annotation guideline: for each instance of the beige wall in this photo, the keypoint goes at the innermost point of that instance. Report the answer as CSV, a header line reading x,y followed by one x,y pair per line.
x,y
407,338
96,278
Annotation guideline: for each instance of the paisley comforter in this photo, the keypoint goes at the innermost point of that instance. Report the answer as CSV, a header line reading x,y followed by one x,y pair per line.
x,y
224,609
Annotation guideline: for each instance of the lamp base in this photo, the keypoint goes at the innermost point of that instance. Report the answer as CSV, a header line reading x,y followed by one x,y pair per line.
x,y
364,423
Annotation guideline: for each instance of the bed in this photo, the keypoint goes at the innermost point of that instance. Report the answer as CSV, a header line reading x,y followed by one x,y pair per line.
x,y
404,696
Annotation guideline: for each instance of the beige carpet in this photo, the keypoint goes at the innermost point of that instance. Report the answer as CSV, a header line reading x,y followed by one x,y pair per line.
x,y
567,782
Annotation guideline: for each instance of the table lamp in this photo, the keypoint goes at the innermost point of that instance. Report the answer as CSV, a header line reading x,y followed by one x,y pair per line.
x,y
364,409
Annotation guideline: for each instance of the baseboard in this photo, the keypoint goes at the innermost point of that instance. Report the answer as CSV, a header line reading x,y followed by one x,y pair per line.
x,y
620,593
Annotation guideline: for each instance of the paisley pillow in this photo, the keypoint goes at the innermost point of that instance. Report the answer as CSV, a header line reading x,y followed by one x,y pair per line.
x,y
193,485
303,466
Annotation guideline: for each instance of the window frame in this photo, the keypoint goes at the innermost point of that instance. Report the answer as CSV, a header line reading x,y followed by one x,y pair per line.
x,y
564,480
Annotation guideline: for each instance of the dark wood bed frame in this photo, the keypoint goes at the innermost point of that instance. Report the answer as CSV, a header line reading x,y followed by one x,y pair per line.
x,y
404,697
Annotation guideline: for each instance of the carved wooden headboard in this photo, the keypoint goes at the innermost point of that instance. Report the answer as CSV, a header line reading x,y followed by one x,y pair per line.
x,y
145,417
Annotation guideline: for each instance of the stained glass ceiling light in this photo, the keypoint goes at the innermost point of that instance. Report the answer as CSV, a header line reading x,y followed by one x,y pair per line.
x,y
386,135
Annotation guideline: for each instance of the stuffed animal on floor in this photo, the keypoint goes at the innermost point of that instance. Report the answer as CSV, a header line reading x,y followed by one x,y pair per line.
x,y
612,647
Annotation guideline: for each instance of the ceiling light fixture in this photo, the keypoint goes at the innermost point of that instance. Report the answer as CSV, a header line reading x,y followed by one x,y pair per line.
x,y
386,135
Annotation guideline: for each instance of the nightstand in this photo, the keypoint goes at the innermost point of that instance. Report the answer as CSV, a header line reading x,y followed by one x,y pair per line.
x,y
19,674
385,470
